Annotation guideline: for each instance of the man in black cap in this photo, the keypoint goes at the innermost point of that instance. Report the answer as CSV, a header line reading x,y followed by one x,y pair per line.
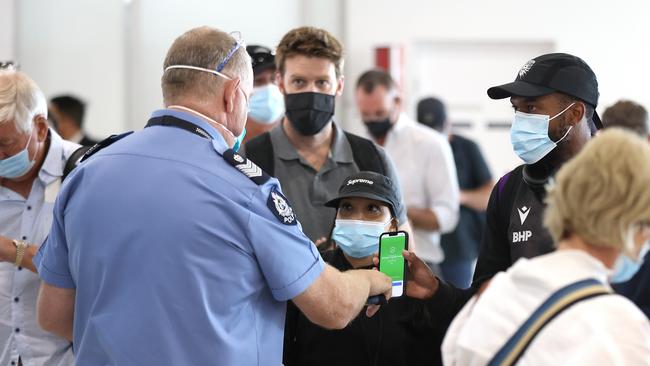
x,y
554,97
267,102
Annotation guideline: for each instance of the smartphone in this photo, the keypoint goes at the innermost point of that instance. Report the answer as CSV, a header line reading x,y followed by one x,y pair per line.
x,y
391,260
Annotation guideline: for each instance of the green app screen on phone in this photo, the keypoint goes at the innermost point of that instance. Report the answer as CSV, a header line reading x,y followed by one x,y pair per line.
x,y
391,261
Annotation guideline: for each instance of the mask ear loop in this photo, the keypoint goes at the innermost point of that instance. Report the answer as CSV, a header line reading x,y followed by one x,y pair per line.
x,y
570,127
564,110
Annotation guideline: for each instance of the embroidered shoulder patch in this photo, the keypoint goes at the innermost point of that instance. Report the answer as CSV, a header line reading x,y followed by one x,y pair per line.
x,y
247,167
279,205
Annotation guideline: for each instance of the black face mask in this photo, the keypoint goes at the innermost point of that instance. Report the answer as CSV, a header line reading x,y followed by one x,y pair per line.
x,y
309,112
379,128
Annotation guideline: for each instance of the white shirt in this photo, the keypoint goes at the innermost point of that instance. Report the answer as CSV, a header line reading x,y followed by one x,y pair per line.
x,y
604,330
427,172
30,220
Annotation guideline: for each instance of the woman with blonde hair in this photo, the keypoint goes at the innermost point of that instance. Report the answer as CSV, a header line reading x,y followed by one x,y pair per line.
x,y
558,308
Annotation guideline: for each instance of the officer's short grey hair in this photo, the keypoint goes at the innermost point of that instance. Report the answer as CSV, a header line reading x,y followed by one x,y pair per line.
x,y
204,47
20,99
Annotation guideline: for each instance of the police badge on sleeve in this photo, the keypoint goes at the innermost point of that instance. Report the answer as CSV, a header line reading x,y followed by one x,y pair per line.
x,y
280,207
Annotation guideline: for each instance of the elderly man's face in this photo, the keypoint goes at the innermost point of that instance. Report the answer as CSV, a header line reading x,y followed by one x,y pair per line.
x,y
13,140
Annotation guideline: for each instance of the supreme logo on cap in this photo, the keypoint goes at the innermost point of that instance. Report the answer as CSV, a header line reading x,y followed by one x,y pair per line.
x,y
527,66
355,181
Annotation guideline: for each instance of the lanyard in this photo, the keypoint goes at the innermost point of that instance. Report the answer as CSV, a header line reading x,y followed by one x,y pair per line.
x,y
171,121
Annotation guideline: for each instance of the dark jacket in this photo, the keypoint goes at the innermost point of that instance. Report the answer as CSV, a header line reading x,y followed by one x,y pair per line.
x,y
401,333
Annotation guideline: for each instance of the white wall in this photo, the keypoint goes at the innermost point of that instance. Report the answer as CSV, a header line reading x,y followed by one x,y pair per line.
x,y
7,30
73,46
610,36
110,52
156,23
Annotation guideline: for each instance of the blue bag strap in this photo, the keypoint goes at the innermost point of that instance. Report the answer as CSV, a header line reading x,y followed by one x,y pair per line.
x,y
559,301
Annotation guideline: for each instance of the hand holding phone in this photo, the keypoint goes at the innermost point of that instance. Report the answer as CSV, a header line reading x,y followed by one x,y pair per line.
x,y
391,260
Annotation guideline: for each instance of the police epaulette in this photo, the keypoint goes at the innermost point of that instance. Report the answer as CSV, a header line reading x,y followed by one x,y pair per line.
x,y
104,143
252,171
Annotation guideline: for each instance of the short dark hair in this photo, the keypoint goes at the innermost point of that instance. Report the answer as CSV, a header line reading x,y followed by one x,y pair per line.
x,y
371,79
629,115
70,106
309,42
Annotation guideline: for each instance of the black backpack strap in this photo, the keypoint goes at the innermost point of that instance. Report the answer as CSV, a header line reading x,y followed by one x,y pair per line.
x,y
84,152
260,151
73,160
559,301
365,154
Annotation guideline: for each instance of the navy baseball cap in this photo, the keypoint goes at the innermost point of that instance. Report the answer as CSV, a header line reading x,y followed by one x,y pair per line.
x,y
262,58
553,72
369,185
432,112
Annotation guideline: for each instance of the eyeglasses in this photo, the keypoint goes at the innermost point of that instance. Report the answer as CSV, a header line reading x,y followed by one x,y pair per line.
x,y
9,65
238,44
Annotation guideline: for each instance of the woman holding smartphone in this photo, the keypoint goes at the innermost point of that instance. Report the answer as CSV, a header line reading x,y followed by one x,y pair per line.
x,y
401,333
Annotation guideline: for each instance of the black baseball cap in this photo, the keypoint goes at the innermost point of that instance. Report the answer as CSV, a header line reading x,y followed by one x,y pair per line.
x,y
553,72
369,185
432,112
262,58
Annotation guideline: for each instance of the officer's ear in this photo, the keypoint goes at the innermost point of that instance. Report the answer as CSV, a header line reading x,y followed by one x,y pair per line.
x,y
230,94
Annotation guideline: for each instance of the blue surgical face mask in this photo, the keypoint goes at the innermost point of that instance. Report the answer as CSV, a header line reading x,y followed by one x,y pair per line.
x,y
529,135
626,267
17,165
238,140
266,104
356,238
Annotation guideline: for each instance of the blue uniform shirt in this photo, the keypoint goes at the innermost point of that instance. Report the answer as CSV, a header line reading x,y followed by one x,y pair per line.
x,y
177,257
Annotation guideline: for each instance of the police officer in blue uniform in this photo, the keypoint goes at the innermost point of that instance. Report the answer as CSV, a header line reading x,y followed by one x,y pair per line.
x,y
169,248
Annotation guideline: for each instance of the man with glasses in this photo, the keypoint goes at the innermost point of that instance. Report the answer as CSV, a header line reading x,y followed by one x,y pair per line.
x,y
32,160
169,248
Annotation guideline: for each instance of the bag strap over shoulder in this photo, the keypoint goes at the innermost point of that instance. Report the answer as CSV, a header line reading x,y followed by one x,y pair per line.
x,y
559,301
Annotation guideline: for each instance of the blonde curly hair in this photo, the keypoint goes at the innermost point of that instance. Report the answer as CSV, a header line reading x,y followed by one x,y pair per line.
x,y
603,192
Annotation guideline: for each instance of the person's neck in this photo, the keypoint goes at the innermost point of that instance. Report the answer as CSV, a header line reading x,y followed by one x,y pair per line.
x,y
380,140
606,255
68,130
23,185
358,262
200,112
318,142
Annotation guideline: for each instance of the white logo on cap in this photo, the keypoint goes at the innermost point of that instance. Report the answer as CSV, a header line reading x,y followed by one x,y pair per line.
x,y
527,66
355,181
